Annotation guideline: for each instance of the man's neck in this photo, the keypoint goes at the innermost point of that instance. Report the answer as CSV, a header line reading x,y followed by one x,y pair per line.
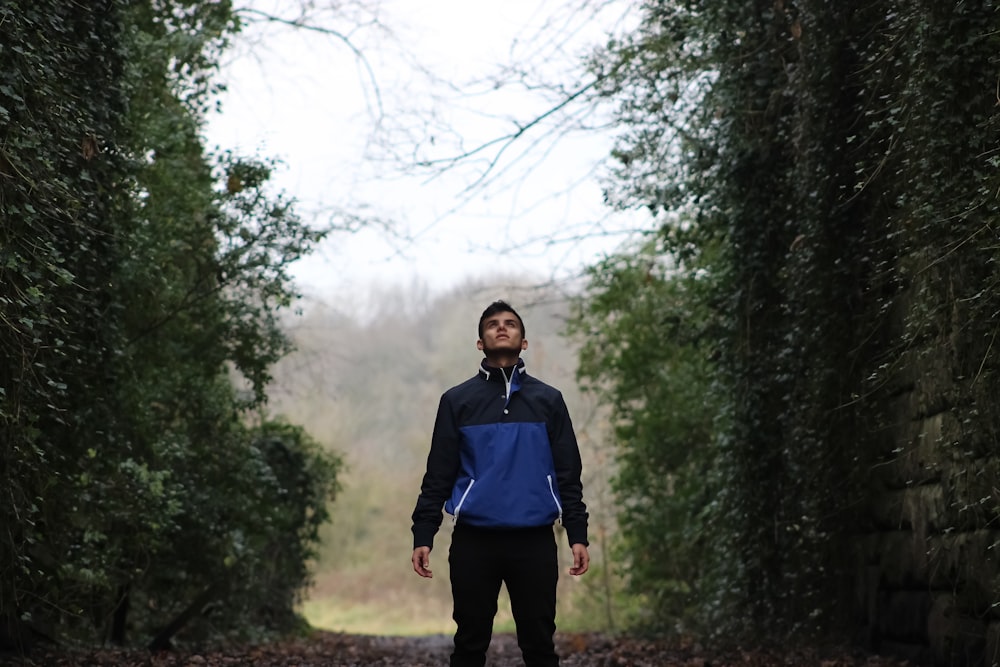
x,y
502,361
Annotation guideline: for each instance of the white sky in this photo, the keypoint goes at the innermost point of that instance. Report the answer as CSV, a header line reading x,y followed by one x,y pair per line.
x,y
308,100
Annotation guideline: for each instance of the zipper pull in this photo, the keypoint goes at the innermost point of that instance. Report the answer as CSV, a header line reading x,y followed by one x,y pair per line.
x,y
552,490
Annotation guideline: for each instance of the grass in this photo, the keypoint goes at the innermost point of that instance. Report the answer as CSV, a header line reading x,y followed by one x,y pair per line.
x,y
385,617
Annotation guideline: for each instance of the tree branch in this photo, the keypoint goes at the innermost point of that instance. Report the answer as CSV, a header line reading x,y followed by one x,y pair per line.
x,y
302,24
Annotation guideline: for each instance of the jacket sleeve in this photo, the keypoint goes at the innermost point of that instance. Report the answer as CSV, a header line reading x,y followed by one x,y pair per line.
x,y
439,478
566,457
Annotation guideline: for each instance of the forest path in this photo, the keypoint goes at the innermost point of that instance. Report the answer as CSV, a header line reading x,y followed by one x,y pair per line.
x,y
328,649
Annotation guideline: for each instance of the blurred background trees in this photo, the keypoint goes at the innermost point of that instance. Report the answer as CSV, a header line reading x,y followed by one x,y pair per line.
x,y
371,385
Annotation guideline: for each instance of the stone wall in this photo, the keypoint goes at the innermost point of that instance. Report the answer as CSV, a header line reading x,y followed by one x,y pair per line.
x,y
929,562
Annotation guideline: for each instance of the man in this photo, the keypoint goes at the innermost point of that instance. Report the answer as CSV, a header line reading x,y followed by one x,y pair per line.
x,y
505,464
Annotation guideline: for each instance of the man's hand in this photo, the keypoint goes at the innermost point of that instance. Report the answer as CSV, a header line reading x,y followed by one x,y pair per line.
x,y
581,560
422,561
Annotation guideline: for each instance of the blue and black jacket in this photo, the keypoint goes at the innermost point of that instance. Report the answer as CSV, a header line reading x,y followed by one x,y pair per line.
x,y
503,455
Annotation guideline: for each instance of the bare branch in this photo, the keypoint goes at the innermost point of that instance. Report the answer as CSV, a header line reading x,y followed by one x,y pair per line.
x,y
506,140
303,23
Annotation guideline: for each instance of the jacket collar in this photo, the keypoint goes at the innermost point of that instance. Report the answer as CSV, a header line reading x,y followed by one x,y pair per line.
x,y
488,371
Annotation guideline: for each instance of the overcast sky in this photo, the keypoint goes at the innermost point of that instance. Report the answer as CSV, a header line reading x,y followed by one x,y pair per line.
x,y
347,128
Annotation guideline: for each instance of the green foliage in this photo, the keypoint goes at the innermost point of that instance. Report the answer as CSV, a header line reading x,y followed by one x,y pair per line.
x,y
61,201
248,512
141,283
830,185
644,328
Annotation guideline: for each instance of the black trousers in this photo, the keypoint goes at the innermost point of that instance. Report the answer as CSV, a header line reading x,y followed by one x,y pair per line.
x,y
523,559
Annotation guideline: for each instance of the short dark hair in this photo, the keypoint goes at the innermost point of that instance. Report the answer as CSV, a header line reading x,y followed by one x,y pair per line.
x,y
499,306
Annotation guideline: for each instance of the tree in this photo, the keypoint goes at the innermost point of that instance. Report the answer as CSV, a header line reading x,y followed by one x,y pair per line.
x,y
645,353
141,279
519,142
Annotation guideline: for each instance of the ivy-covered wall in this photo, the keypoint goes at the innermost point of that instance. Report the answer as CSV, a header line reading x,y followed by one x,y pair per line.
x,y
928,570
62,196
828,171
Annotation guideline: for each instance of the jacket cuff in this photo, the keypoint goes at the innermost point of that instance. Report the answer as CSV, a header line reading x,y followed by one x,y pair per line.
x,y
577,535
423,536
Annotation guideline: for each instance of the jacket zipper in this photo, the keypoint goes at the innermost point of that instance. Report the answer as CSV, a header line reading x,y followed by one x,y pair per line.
x,y
461,501
554,498
507,381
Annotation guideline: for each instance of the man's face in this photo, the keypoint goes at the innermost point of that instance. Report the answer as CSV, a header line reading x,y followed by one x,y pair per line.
x,y
502,333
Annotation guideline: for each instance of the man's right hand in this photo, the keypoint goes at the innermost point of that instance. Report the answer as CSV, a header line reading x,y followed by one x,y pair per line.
x,y
422,562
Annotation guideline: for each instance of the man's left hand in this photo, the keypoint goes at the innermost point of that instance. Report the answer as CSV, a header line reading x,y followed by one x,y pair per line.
x,y
581,560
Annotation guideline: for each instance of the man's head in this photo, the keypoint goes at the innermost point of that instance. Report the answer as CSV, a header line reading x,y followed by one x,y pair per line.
x,y
496,308
501,332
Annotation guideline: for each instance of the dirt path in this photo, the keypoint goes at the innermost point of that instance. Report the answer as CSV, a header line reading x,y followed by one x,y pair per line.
x,y
327,649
